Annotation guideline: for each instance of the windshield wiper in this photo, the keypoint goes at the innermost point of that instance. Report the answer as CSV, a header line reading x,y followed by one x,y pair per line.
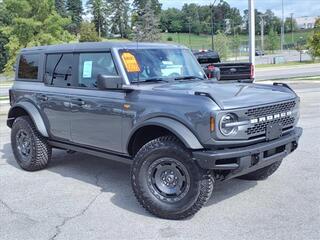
x,y
155,79
188,77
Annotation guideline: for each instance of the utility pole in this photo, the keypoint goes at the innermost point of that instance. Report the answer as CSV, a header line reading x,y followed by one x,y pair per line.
x,y
251,32
291,27
282,27
212,24
262,31
189,23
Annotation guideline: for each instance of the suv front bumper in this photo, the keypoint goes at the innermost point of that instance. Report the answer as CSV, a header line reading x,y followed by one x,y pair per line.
x,y
242,160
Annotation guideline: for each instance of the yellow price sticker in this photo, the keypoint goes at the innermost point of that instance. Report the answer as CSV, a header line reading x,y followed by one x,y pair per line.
x,y
130,62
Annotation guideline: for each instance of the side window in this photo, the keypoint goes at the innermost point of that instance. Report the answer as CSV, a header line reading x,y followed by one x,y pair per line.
x,y
59,69
93,64
28,66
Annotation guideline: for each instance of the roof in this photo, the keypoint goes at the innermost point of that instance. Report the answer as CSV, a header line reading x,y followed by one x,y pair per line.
x,y
99,46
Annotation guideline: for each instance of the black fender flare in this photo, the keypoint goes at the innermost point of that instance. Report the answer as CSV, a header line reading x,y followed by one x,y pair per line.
x,y
33,112
177,128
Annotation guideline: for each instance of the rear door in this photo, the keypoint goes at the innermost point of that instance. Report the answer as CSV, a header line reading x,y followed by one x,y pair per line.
x,y
96,114
55,101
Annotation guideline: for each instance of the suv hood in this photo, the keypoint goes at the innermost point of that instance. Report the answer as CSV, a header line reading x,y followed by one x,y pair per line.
x,y
232,95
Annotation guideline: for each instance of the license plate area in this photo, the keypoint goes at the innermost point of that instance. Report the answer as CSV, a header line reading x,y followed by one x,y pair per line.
x,y
273,131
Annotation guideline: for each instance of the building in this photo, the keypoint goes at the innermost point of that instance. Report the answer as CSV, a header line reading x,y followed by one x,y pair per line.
x,y
306,22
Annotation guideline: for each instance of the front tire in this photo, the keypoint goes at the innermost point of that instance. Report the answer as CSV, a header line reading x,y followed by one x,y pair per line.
x,y
167,182
31,150
263,173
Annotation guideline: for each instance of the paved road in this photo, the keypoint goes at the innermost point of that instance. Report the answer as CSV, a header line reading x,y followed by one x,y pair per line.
x,y
83,197
287,72
288,56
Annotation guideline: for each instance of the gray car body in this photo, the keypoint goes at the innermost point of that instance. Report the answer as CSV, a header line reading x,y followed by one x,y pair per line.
x,y
110,119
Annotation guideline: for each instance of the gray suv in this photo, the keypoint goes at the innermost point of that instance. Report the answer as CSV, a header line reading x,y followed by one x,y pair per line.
x,y
152,106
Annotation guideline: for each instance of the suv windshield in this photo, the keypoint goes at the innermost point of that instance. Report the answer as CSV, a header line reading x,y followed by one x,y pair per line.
x,y
147,65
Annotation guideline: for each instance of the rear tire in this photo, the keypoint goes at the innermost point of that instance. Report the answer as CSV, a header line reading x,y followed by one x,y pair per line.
x,y
167,182
31,150
263,173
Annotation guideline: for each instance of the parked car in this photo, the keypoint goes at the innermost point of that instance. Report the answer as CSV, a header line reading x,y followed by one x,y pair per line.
x,y
259,53
153,107
214,68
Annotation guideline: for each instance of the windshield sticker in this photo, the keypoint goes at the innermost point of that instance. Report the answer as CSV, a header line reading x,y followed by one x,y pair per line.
x,y
130,62
87,69
172,70
167,62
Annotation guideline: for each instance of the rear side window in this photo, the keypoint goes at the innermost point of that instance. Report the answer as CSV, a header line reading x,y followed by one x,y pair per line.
x,y
59,69
28,66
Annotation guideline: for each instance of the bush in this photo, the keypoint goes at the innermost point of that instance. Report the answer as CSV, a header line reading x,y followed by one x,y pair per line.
x,y
170,39
221,45
88,32
3,52
314,41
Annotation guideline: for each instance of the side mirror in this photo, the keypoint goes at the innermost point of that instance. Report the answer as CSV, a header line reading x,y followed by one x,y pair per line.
x,y
212,72
109,82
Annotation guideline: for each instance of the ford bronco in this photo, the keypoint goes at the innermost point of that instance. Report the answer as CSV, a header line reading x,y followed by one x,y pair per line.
x,y
152,106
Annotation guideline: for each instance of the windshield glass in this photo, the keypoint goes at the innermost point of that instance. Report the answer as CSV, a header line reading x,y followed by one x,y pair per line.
x,y
160,64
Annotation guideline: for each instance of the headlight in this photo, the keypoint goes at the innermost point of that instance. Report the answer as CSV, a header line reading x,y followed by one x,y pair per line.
x,y
228,124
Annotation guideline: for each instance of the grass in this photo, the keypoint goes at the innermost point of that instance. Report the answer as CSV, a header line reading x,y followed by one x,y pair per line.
x,y
3,98
314,78
204,41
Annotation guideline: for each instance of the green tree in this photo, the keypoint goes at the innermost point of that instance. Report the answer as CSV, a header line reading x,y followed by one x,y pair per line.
x,y
88,32
31,24
221,45
171,20
272,40
235,44
290,26
61,7
99,10
120,18
139,5
147,27
3,51
74,10
314,41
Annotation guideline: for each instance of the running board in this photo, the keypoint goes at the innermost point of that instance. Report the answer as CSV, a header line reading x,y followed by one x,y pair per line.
x,y
90,151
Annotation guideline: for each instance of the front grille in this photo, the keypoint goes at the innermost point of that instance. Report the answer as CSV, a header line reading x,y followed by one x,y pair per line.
x,y
268,110
259,129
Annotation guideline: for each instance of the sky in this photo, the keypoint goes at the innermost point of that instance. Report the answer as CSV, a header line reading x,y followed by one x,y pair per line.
x,y
297,7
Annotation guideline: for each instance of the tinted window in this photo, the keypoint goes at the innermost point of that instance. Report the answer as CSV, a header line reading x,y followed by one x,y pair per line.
x,y
28,66
59,69
93,64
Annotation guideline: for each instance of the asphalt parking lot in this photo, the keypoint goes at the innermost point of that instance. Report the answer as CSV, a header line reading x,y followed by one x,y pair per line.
x,y
83,197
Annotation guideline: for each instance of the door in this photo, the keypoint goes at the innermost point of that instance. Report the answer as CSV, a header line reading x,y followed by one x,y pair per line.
x,y
54,99
96,114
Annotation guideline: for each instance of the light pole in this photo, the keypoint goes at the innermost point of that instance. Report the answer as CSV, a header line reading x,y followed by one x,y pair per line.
x,y
251,32
291,27
262,31
282,27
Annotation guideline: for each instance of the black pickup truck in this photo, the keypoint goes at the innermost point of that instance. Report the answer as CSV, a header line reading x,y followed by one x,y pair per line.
x,y
210,62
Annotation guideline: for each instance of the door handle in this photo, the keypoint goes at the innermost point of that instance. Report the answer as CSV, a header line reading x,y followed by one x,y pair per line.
x,y
78,102
43,97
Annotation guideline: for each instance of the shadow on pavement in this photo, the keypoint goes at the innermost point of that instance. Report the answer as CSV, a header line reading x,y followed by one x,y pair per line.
x,y
114,177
